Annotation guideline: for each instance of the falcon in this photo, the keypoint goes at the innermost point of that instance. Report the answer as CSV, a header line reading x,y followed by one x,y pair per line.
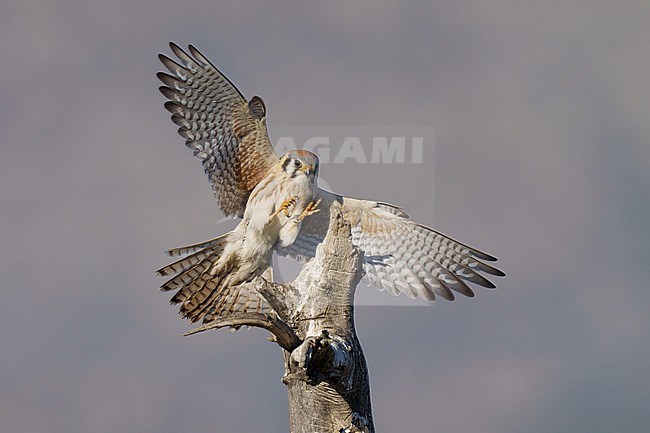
x,y
282,209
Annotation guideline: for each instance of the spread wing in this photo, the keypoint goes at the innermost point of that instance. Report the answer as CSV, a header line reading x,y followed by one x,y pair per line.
x,y
226,133
400,255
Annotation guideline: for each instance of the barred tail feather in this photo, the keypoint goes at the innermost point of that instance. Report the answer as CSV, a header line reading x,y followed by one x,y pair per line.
x,y
207,289
189,249
239,299
196,276
203,289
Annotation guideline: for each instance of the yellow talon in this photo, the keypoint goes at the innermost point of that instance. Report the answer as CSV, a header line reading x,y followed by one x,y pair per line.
x,y
284,207
311,209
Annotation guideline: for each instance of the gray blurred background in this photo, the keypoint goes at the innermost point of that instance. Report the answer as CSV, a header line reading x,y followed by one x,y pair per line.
x,y
541,112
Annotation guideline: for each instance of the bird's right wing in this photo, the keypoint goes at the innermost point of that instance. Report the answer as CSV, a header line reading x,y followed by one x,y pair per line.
x,y
226,133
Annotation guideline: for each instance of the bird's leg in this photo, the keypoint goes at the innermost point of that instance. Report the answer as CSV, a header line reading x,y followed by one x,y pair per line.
x,y
291,201
311,209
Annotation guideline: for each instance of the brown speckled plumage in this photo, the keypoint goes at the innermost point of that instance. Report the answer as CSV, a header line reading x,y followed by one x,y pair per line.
x,y
228,134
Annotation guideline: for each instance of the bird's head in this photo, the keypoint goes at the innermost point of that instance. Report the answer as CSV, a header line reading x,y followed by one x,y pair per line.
x,y
301,163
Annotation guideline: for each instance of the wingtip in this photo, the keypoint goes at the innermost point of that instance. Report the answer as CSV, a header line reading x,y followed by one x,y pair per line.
x,y
163,89
162,76
172,107
181,53
484,256
484,267
196,52
172,65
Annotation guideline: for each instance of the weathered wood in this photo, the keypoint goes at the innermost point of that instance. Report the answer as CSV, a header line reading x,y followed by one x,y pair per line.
x,y
326,376
282,333
325,369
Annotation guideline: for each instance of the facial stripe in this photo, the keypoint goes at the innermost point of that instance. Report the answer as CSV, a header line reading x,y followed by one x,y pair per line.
x,y
286,163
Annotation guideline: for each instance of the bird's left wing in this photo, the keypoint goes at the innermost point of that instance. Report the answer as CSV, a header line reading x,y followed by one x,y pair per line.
x,y
226,133
400,255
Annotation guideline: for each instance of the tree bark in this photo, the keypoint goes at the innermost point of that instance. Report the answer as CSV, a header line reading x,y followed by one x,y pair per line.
x,y
325,369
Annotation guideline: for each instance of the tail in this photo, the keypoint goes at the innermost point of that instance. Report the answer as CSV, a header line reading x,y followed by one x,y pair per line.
x,y
203,289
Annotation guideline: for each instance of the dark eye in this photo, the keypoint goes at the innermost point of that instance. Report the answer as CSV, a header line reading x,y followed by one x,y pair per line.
x,y
298,164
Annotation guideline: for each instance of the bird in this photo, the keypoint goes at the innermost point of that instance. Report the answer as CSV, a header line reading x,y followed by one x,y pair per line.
x,y
283,210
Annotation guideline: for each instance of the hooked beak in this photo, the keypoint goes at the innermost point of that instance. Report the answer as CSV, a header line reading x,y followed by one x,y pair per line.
x,y
308,169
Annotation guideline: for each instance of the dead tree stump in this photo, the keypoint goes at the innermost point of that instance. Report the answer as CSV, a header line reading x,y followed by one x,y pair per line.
x,y
325,369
